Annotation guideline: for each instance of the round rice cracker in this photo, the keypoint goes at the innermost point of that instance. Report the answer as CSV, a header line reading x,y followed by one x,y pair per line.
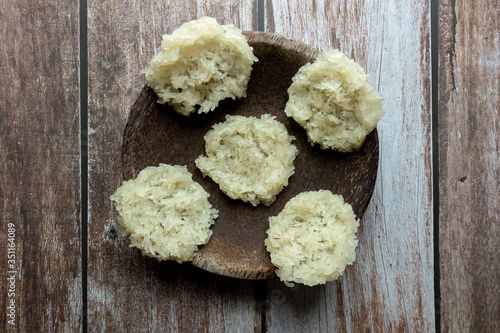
x,y
250,158
165,213
201,63
333,100
313,239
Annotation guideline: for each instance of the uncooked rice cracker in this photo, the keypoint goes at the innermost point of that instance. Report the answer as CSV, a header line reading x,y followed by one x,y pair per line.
x,y
333,100
313,238
165,213
201,63
250,158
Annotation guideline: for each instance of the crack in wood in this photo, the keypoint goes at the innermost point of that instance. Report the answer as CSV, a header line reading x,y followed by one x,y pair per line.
x,y
451,50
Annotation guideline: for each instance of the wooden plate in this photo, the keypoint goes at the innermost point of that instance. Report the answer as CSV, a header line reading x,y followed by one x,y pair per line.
x,y
156,134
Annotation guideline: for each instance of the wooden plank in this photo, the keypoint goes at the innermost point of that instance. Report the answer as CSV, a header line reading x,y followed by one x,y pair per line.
x,y
469,165
40,168
390,286
128,292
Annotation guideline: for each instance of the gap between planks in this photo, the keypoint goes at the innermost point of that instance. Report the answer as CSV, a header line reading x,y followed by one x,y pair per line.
x,y
84,161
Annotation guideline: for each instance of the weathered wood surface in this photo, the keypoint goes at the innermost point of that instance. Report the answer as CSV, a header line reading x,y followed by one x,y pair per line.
x,y
469,165
40,167
390,287
126,291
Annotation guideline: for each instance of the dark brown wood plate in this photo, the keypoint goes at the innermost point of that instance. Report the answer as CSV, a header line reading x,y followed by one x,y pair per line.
x,y
156,134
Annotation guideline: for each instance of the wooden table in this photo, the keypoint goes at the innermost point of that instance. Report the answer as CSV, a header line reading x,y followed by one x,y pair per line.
x,y
428,255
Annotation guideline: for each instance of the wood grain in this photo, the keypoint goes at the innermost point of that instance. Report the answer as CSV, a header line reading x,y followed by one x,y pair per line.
x,y
128,292
390,286
469,165
40,166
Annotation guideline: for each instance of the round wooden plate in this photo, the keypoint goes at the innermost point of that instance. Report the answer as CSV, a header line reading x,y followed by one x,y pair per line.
x,y
156,134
